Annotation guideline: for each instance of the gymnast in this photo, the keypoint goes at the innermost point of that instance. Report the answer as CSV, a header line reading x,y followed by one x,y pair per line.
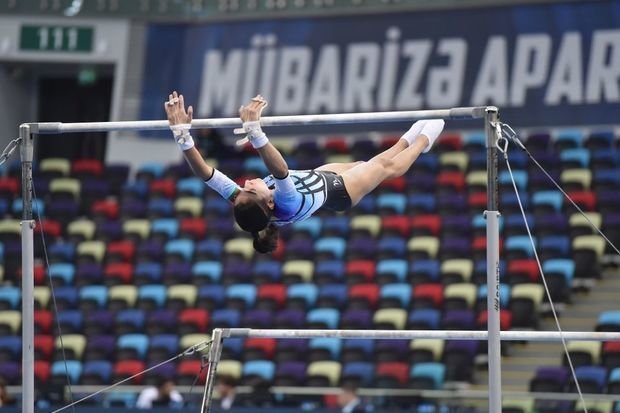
x,y
286,196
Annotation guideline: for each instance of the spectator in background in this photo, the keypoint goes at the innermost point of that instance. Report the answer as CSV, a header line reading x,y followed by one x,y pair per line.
x,y
349,401
5,398
227,393
164,395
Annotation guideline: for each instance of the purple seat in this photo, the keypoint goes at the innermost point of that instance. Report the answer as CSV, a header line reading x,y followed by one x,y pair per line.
x,y
391,350
300,248
88,274
133,208
150,250
161,322
224,228
356,319
10,371
451,203
458,357
177,273
455,248
538,142
231,166
362,247
95,188
290,318
109,230
63,209
167,371
100,347
98,322
459,320
209,248
551,224
257,319
555,374
290,373
179,170
291,349
456,225
237,272
537,180
41,186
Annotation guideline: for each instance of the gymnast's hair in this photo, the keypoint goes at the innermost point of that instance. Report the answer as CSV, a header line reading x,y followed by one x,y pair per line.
x,y
253,218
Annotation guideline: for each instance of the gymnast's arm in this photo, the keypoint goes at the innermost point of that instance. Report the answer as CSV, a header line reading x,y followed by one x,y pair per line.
x,y
250,116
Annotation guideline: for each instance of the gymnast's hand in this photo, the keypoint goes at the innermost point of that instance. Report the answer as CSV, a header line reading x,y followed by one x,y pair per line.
x,y
175,109
252,111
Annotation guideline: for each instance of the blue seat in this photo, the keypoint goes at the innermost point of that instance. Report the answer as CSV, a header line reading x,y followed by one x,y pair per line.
x,y
150,271
210,270
336,226
564,267
333,293
553,199
243,292
11,347
99,368
155,293
504,294
560,244
154,169
435,372
70,368
580,157
520,243
428,317
509,200
333,345
607,177
139,343
64,272
132,317
393,267
520,178
423,202
212,292
474,140
191,186
167,226
480,269
264,369
67,296
162,207
568,138
593,378
182,247
138,189
614,375
366,346
515,221
306,292
10,297
392,246
397,203
362,371
430,269
210,248
169,342
255,164
270,270
397,291
38,207
226,318
311,226
367,205
609,319
217,206
95,293
331,246
233,347
327,317
333,270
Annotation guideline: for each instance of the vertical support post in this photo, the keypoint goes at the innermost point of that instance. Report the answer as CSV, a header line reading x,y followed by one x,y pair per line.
x,y
493,304
27,238
213,358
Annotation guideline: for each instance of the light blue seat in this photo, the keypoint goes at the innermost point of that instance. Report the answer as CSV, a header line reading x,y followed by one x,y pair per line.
x,y
480,222
155,169
504,294
243,292
431,370
398,291
255,164
519,176
38,207
331,245
153,292
191,186
392,201
208,269
182,247
137,342
73,369
306,292
11,296
120,399
311,225
569,137
398,268
327,316
262,368
553,199
579,156
95,293
62,271
610,318
332,344
167,226
614,376
520,243
474,140
565,267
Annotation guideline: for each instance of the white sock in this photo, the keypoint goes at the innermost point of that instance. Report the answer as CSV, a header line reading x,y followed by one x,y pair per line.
x,y
413,131
432,129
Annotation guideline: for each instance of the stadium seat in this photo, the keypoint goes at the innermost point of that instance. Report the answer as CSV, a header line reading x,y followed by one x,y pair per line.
x,y
225,318
592,379
43,347
241,296
132,347
397,295
338,226
81,230
323,318
62,273
301,296
583,353
363,296
259,349
525,301
10,348
323,373
93,297
424,319
357,374
96,372
271,296
358,319
390,319
61,370
428,295
120,399
10,298
391,374
423,247
181,296
459,296
428,376
127,368
121,297
98,322
296,271
130,321
70,321
549,379
425,350
329,271
290,318
330,247
326,348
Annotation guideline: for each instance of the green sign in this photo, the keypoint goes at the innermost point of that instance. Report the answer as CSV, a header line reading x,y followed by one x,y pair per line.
x,y
56,38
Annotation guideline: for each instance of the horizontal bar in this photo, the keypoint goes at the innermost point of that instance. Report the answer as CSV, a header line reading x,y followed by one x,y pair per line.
x,y
49,128
415,334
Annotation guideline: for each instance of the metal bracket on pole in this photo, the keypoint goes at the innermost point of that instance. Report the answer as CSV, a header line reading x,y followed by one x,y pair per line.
x,y
27,240
213,358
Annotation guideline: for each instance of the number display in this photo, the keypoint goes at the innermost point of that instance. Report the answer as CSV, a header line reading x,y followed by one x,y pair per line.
x,y
56,38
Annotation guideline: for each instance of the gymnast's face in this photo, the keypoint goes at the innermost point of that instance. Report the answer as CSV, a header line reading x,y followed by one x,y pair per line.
x,y
257,189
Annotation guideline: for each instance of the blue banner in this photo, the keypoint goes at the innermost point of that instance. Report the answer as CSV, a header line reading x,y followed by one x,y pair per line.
x,y
548,64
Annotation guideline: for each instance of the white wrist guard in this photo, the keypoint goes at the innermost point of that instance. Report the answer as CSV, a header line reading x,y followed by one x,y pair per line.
x,y
255,134
182,136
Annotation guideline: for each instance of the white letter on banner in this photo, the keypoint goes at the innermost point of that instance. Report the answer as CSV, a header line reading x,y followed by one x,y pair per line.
x,y
325,87
389,70
604,68
251,68
292,79
445,84
360,77
418,52
220,82
530,66
268,66
491,87
566,79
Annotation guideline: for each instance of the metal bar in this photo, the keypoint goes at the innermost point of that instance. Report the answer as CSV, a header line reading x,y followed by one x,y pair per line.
x,y
544,336
319,119
493,304
27,241
214,357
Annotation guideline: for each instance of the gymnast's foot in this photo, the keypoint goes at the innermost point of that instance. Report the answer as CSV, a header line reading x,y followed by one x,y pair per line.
x,y
432,128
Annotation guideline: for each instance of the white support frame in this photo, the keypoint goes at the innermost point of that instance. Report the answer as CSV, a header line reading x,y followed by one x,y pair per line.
x,y
490,115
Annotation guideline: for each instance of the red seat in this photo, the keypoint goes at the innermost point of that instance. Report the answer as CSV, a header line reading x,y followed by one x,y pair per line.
x,y
42,371
480,244
365,292
165,187
449,142
43,321
196,317
190,368
454,180
122,271
194,227
505,319
125,250
523,268
106,207
128,368
39,274
611,347
429,292
44,346
427,224
397,223
275,292
477,200
92,167
9,186
398,184
396,370
361,269
267,346
336,145
585,199
50,228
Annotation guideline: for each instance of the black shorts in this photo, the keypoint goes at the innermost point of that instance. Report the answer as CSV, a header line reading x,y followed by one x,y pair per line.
x,y
338,198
